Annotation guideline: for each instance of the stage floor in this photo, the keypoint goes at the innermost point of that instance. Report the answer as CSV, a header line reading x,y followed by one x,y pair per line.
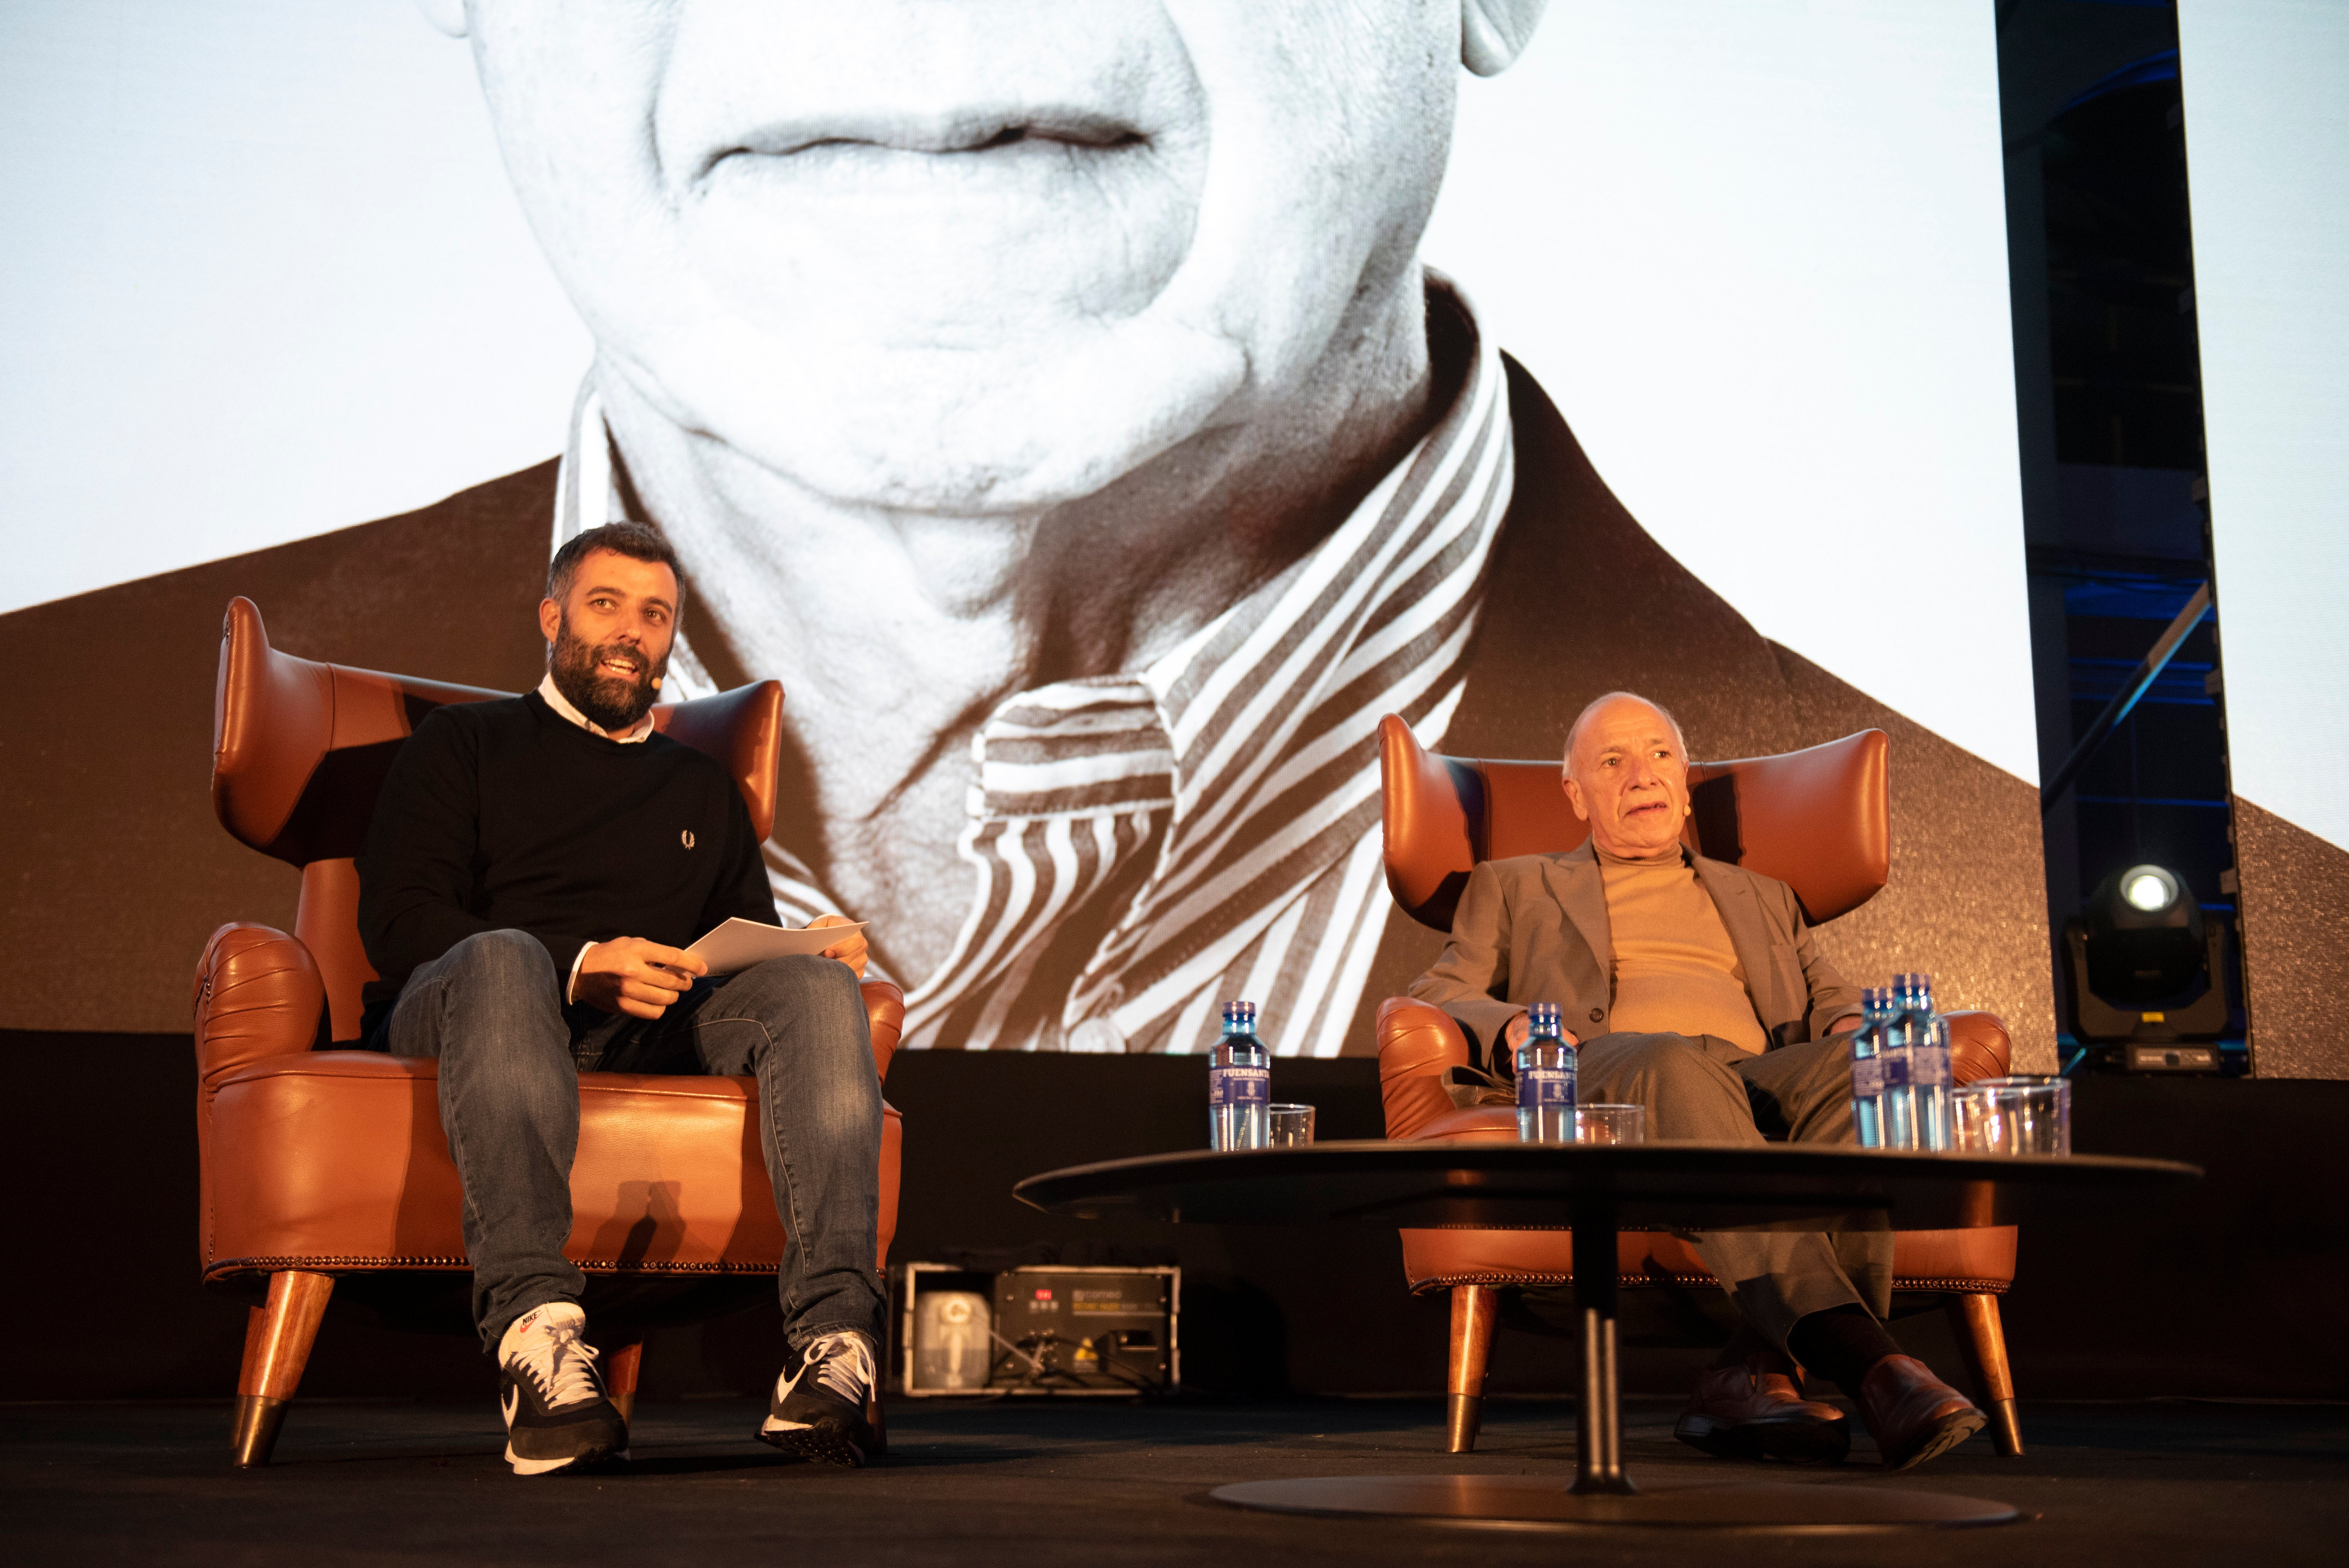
x,y
2141,1484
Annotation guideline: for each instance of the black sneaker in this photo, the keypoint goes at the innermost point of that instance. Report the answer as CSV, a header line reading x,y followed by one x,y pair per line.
x,y
557,1417
818,1410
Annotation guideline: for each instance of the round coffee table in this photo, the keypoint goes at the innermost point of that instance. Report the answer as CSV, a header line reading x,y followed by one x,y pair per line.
x,y
1596,1190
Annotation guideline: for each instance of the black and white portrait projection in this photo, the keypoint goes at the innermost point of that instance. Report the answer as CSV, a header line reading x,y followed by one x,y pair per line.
x,y
1096,413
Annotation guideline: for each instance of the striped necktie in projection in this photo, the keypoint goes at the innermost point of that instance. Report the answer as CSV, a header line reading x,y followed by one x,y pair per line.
x,y
1143,846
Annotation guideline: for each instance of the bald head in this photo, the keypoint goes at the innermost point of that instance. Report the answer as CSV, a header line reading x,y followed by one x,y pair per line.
x,y
1582,721
1626,775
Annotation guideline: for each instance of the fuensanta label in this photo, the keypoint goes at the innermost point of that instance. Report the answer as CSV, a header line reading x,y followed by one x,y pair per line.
x,y
1545,1086
1239,1085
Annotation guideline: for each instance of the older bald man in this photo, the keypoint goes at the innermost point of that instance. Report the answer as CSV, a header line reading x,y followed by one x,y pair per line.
x,y
1707,1002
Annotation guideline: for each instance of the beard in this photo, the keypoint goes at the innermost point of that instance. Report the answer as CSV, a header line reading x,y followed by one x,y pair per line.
x,y
614,703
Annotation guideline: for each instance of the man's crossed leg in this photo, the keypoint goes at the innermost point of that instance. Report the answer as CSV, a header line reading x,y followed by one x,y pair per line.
x,y
1808,1298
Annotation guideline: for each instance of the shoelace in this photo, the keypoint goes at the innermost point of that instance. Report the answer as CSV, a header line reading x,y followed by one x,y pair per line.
x,y
562,1365
843,1364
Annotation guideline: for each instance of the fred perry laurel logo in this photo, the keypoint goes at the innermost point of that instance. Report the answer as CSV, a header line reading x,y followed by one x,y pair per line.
x,y
685,838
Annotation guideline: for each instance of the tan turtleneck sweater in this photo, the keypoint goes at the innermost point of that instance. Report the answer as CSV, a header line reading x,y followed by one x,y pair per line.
x,y
1675,969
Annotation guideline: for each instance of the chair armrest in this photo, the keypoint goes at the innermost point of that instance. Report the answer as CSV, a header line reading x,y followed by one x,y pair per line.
x,y
884,1010
258,995
1469,1124
1978,1046
1416,1044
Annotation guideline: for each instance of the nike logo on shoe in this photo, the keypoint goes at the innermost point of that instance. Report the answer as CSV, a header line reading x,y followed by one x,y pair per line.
x,y
556,1414
821,1417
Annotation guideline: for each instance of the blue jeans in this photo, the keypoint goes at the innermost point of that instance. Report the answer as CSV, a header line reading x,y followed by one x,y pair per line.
x,y
490,1009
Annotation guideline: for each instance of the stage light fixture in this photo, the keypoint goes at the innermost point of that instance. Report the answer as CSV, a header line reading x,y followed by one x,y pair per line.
x,y
2149,888
2144,967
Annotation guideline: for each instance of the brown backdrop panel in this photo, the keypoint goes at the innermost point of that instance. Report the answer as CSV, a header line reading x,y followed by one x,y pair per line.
x,y
2295,903
1967,899
115,868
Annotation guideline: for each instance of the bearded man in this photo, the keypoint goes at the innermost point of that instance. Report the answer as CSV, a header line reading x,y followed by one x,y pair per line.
x,y
535,870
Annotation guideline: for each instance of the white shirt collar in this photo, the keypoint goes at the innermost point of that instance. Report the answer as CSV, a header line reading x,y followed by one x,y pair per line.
x,y
562,706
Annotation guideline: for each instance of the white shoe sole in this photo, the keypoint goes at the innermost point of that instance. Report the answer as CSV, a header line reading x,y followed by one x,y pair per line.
x,y
827,1444
549,1467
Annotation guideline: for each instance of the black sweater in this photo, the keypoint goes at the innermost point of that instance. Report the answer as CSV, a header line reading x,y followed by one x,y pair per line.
x,y
504,814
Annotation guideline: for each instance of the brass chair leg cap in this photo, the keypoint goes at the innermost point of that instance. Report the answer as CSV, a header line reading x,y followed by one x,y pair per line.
x,y
259,1419
1463,1414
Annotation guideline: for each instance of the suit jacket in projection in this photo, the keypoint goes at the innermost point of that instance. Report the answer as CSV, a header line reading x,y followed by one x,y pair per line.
x,y
109,763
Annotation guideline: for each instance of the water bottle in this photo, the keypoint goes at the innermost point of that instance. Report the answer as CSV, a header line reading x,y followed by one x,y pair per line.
x,y
1927,1037
1915,1068
1545,1068
1239,1084
1867,1065
1896,1108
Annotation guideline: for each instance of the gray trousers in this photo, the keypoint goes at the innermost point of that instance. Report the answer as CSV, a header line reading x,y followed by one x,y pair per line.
x,y
1698,1086
511,1053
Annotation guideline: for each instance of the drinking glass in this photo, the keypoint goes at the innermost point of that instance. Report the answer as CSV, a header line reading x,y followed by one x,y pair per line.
x,y
1291,1125
1610,1124
2023,1114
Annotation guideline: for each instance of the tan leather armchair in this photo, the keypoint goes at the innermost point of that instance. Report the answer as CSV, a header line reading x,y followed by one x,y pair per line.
x,y
1818,820
321,1163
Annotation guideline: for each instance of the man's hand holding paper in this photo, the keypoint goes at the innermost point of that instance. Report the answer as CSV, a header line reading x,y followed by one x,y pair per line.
x,y
629,975
735,944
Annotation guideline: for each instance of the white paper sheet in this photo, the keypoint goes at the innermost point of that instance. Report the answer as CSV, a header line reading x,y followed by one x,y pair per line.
x,y
738,943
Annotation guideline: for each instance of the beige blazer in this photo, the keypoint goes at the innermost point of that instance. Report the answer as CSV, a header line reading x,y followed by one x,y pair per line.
x,y
1534,929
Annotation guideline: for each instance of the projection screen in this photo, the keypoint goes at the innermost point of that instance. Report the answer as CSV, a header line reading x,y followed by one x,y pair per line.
x,y
1706,391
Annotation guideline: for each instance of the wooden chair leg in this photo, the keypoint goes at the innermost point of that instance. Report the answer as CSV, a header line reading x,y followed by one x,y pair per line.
x,y
1472,1345
1975,1317
620,1368
277,1340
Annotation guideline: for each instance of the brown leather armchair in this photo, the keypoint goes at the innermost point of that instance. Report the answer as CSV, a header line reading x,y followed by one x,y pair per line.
x,y
321,1163
1818,820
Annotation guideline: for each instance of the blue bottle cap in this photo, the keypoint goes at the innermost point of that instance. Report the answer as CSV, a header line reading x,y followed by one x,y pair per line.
x,y
1542,1012
1876,996
1239,1011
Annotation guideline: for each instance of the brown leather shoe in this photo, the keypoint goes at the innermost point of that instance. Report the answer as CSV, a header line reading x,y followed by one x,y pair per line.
x,y
1913,1415
1746,1413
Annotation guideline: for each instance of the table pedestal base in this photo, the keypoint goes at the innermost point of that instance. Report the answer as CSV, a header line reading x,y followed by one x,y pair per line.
x,y
1545,1500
